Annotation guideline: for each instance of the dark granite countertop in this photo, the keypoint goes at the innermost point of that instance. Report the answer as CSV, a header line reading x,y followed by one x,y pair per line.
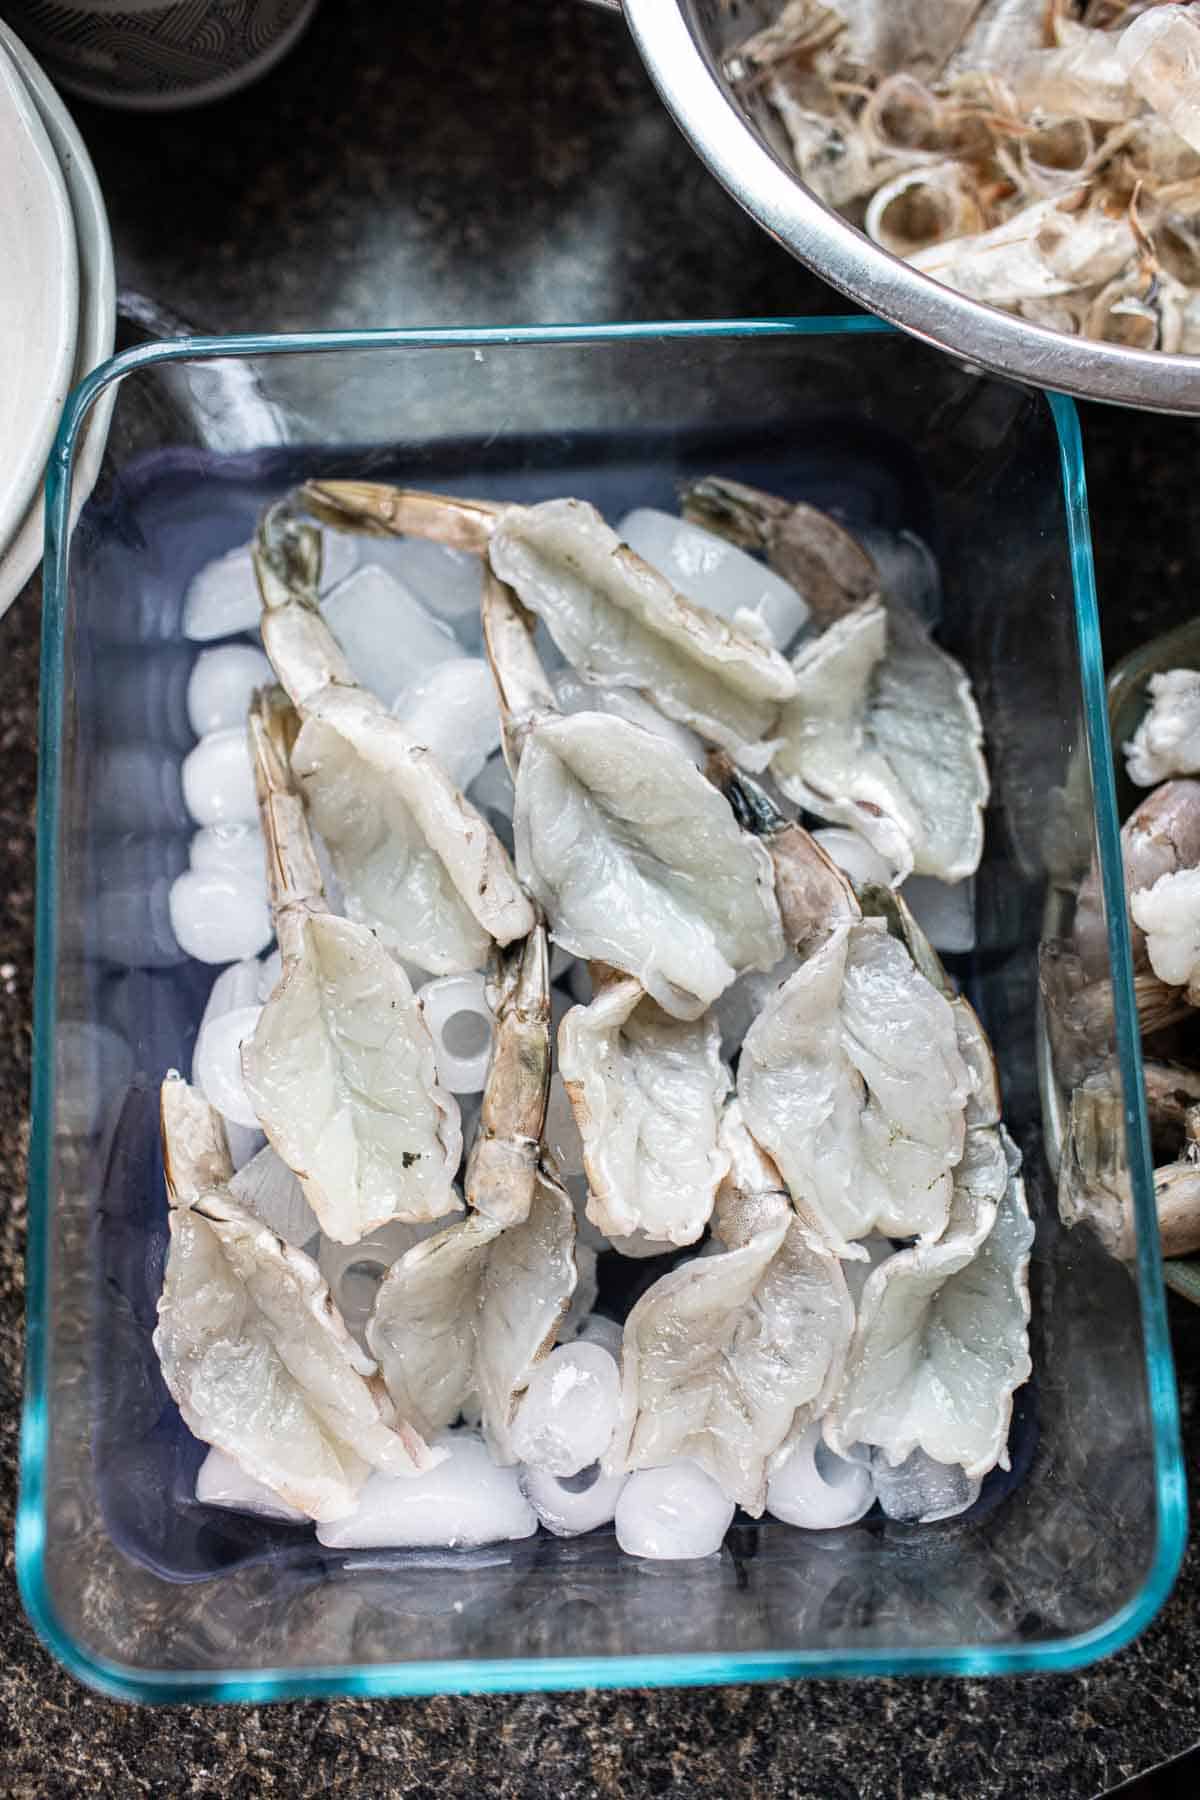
x,y
438,162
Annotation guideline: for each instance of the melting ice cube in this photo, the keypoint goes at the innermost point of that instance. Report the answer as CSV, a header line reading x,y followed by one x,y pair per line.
x,y
465,1500
716,574
221,684
390,640
672,1514
568,1412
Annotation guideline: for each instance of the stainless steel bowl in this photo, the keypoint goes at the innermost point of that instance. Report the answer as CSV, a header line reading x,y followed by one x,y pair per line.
x,y
683,44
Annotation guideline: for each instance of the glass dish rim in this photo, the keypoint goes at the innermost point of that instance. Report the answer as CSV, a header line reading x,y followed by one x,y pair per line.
x,y
124,1682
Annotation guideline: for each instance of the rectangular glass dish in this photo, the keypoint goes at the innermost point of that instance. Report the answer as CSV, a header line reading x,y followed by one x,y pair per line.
x,y
147,1595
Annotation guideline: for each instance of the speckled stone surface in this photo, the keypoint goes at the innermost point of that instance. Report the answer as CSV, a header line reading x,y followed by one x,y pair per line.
x,y
450,161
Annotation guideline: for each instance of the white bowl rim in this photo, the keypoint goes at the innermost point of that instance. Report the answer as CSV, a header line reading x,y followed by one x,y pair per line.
x,y
48,312
19,559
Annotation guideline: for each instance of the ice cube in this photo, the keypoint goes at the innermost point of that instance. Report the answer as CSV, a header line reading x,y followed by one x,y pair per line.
x,y
218,779
244,1143
237,848
448,582
460,1023
672,1514
560,1133
945,911
920,1490
808,1485
465,1500
452,710
267,1188
860,861
219,917
223,598
339,555
354,1271
92,1067
235,990
221,685
390,640
569,1505
716,574
220,1482
130,918
908,571
234,987
575,696
217,1064
568,1413
138,788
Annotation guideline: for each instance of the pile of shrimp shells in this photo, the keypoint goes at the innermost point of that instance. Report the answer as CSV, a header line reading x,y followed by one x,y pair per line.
x,y
626,1101
1160,854
1043,158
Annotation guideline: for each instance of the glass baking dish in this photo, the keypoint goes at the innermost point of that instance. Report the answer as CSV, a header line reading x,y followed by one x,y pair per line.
x,y
146,1595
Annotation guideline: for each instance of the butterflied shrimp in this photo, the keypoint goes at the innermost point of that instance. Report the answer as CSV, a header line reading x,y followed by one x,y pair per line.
x,y
340,1068
416,861
252,1347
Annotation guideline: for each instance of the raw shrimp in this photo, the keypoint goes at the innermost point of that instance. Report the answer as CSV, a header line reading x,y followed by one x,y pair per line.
x,y
252,1348
852,1079
415,859
472,1310
883,732
723,1355
1094,1187
340,1068
942,1339
635,857
647,1092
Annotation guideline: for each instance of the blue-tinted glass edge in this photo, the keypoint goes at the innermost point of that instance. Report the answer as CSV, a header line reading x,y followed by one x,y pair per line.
x,y
1170,1484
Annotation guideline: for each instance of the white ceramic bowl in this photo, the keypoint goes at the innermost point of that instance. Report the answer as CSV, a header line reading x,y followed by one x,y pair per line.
x,y
39,296
97,307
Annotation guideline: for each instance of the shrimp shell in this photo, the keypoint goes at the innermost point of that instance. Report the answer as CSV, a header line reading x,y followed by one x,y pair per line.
x,y
1044,250
1082,76
503,1166
379,510
813,893
923,207
523,689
